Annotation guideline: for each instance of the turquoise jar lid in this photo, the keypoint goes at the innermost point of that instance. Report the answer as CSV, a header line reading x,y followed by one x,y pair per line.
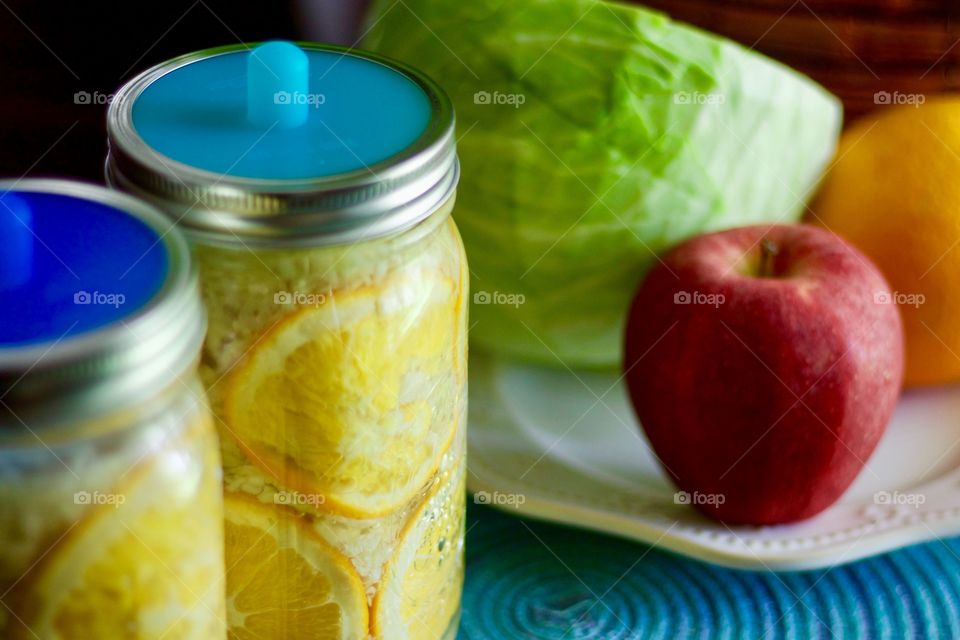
x,y
282,143
281,112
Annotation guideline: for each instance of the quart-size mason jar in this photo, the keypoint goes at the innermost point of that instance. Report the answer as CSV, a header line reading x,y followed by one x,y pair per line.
x,y
316,184
110,484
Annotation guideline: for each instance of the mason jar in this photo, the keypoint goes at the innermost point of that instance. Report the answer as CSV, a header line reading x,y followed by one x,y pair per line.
x,y
110,484
316,185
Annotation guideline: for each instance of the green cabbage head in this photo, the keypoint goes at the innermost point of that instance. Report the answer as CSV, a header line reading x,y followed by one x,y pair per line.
x,y
593,137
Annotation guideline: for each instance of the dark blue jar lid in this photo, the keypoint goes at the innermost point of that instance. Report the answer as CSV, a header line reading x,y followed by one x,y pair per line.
x,y
99,308
70,265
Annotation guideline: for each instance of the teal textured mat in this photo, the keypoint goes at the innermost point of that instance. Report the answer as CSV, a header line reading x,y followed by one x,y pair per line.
x,y
531,580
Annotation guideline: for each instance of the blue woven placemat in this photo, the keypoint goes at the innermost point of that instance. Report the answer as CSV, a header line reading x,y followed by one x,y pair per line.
x,y
531,580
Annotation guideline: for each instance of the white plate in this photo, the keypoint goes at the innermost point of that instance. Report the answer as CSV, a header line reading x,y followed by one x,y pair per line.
x,y
565,446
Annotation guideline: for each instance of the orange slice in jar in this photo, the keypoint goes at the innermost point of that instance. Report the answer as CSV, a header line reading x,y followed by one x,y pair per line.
x,y
146,561
284,581
353,399
419,595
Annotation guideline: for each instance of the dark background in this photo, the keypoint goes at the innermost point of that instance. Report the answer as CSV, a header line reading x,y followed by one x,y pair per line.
x,y
51,52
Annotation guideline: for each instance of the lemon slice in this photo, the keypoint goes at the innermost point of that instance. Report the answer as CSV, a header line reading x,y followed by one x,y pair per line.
x,y
419,594
284,581
353,400
146,562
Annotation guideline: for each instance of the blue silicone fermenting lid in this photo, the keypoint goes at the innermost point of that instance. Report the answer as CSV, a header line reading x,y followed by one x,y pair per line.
x,y
281,112
282,145
70,265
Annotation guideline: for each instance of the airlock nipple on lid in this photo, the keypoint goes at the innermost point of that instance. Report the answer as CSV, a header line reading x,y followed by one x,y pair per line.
x,y
277,84
16,240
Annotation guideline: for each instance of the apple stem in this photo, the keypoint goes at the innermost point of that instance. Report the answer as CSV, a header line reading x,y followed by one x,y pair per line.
x,y
768,253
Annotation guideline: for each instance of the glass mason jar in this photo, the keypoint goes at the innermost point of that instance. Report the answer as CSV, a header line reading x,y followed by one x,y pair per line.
x,y
110,483
336,351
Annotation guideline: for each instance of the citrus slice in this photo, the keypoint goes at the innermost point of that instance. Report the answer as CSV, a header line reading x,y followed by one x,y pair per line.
x,y
353,399
419,595
284,581
145,562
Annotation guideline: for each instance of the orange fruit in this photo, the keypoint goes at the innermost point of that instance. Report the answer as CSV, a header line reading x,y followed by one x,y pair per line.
x,y
419,594
284,581
149,564
893,192
351,399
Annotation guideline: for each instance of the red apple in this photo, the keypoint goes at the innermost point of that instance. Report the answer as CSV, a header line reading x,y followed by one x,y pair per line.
x,y
764,363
